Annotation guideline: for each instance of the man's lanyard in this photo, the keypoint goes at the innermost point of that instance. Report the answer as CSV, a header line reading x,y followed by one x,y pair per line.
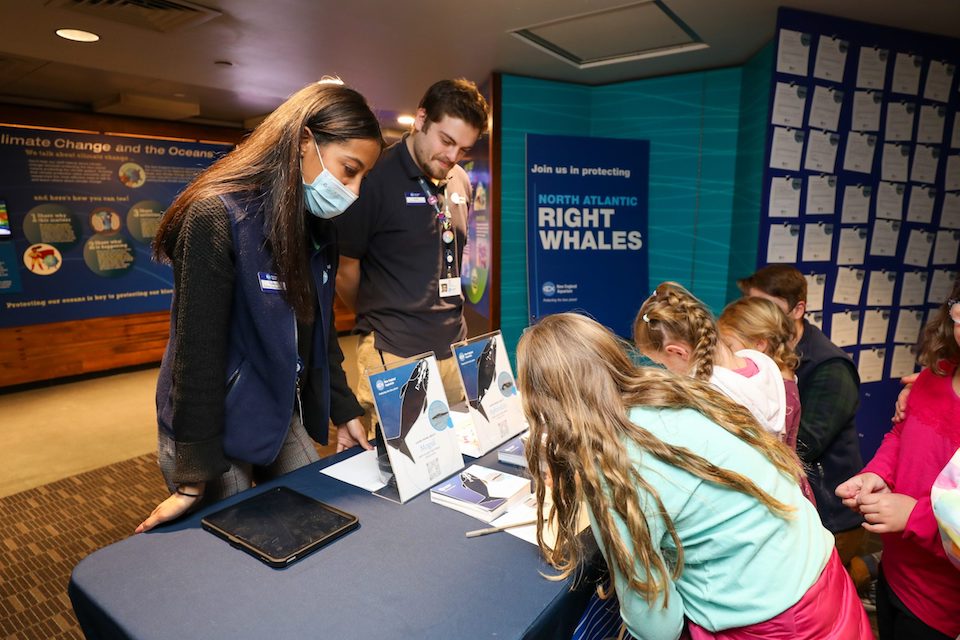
x,y
447,235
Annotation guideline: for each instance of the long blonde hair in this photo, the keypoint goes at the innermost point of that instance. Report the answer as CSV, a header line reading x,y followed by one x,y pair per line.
x,y
577,386
673,313
753,319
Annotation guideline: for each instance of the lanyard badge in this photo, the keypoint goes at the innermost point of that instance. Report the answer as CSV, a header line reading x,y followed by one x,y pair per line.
x,y
449,285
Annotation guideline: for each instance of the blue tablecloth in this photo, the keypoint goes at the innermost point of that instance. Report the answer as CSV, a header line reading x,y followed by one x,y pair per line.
x,y
407,572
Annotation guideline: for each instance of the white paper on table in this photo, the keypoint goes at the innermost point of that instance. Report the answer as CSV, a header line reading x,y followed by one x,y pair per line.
x,y
880,288
816,319
903,362
786,149
821,151
817,242
876,322
831,57
941,285
951,181
895,163
947,246
932,118
844,328
950,213
793,52
789,101
821,195
866,111
939,78
783,242
920,207
955,136
849,286
856,204
858,156
890,200
919,245
913,290
870,364
825,108
816,286
886,235
784,197
909,323
900,116
906,74
360,470
926,159
872,67
853,245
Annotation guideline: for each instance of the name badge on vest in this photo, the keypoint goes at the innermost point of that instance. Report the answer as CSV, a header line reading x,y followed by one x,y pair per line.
x,y
270,283
415,197
449,287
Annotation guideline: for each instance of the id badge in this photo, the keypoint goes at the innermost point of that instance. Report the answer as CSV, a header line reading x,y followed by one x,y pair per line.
x,y
270,283
449,287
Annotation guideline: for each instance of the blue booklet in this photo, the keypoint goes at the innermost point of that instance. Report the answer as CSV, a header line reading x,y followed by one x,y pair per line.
x,y
481,492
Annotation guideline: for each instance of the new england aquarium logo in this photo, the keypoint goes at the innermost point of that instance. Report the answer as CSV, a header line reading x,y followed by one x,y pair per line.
x,y
379,385
549,289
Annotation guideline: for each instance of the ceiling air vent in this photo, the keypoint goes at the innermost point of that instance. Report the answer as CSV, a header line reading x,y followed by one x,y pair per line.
x,y
634,31
157,15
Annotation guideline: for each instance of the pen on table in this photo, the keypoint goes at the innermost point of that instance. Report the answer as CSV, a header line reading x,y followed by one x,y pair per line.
x,y
482,532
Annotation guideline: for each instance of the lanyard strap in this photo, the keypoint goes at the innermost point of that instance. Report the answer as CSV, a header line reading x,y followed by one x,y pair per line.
x,y
448,236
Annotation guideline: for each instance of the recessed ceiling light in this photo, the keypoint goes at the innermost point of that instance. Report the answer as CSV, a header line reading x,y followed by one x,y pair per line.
x,y
77,35
406,120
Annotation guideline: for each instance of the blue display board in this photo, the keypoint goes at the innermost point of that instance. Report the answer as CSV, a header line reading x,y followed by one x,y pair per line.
x,y
83,209
587,202
862,188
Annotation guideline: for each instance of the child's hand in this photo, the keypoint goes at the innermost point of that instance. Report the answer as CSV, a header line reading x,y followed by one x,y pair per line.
x,y
851,491
886,512
900,409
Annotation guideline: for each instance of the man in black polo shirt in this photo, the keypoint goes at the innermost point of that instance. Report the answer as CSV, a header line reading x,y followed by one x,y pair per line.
x,y
402,244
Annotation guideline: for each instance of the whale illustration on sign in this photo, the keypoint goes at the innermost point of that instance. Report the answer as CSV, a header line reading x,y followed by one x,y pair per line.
x,y
486,370
413,402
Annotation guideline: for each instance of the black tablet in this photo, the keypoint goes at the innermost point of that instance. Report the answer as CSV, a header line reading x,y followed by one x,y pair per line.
x,y
280,526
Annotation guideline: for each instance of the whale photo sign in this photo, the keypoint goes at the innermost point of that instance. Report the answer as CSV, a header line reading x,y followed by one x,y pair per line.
x,y
415,424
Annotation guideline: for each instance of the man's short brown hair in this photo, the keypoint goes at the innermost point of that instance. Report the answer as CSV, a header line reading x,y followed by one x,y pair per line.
x,y
458,98
778,280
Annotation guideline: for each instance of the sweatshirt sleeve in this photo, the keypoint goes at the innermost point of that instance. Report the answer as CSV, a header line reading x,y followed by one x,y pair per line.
x,y
343,403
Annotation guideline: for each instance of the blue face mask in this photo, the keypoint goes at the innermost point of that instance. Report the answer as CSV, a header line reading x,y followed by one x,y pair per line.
x,y
326,197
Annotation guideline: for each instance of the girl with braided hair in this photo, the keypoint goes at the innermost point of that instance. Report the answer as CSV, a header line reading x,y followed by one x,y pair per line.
x,y
691,501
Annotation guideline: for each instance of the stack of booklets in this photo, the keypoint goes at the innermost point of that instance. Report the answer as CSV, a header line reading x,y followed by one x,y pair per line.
x,y
512,451
481,492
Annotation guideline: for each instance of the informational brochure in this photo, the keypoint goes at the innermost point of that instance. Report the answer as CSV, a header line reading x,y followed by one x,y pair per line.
x,y
876,322
906,74
913,291
919,246
886,235
415,423
856,204
900,117
789,102
821,151
786,149
853,245
926,159
866,111
783,242
825,108
941,284
903,362
947,246
870,364
890,200
818,242
920,206
939,79
845,328
896,162
909,323
951,180
816,285
858,156
831,58
932,119
950,214
784,197
481,492
496,414
880,288
872,67
793,52
360,470
849,286
821,195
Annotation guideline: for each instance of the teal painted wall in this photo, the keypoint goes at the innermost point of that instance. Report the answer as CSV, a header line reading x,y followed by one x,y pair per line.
x,y
704,142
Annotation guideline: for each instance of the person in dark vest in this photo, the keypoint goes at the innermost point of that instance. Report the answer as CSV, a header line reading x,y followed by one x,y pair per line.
x,y
253,368
829,384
